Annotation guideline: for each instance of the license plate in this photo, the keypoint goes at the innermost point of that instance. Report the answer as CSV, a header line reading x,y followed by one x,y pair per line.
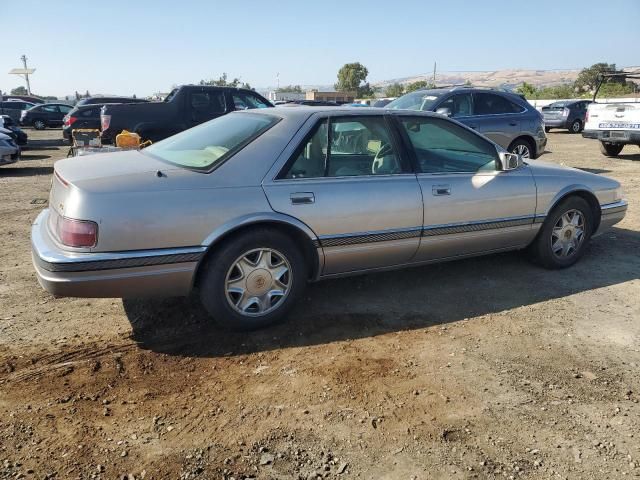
x,y
622,135
619,125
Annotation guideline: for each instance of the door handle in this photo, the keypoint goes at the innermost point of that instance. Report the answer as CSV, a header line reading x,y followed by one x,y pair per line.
x,y
302,198
513,124
441,190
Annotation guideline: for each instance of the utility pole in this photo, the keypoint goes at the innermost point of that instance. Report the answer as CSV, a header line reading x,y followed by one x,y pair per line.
x,y
434,74
26,75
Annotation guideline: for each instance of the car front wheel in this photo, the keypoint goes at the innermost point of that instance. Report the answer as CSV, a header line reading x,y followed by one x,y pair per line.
x,y
523,148
564,235
39,124
253,280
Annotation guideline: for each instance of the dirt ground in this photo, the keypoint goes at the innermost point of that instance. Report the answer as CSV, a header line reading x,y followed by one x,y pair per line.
x,y
483,368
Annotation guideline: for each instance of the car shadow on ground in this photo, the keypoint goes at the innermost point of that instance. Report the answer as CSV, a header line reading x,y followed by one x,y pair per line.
x,y
625,155
25,171
45,144
33,156
376,304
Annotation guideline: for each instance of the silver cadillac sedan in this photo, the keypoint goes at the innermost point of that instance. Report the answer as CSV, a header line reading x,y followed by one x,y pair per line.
x,y
249,207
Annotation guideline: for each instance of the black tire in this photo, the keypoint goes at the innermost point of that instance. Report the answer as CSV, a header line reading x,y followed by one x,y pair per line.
x,y
541,249
610,149
213,292
39,124
576,126
523,145
547,129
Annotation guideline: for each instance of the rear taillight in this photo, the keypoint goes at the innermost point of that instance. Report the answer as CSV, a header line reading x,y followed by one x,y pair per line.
x,y
68,121
565,112
586,116
105,121
76,233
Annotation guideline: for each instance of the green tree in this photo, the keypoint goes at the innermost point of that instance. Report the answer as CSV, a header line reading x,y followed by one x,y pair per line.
x,y
528,90
19,91
223,81
394,90
413,86
290,88
588,77
352,77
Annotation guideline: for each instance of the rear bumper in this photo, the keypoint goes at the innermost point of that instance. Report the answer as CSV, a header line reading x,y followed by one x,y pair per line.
x,y
556,123
605,136
611,214
142,273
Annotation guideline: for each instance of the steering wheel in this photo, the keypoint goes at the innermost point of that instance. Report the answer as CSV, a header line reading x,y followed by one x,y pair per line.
x,y
385,150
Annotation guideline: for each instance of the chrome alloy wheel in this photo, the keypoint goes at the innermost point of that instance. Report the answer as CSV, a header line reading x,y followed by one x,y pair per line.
x,y
522,150
258,282
568,234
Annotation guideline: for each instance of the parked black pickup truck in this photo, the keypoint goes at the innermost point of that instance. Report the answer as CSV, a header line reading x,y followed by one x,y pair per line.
x,y
184,107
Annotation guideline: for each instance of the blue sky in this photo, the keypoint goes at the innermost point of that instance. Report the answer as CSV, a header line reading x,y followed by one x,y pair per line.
x,y
144,46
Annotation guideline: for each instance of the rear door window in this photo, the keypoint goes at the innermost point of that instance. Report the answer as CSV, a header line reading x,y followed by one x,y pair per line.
x,y
347,147
207,102
492,104
49,109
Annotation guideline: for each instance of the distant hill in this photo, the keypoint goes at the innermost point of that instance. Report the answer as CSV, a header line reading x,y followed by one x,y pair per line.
x,y
497,78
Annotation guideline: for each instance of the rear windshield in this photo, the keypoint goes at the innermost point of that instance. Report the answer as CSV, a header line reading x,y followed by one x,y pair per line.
x,y
419,100
208,145
555,106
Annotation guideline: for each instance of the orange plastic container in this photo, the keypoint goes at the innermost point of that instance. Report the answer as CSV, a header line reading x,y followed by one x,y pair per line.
x,y
127,139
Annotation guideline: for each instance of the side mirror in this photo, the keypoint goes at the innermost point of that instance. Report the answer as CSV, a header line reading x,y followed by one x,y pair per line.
x,y
509,161
444,111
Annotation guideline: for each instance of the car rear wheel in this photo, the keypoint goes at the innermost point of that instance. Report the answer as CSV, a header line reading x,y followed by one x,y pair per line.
x,y
564,235
39,124
522,147
576,126
610,149
253,280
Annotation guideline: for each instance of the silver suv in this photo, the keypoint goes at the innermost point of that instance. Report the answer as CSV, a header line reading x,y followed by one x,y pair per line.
x,y
504,117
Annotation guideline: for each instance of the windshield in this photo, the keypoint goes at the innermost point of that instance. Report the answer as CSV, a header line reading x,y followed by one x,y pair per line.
x,y
207,145
420,100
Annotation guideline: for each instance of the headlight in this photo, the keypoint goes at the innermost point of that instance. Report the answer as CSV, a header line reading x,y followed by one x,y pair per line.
x,y
5,143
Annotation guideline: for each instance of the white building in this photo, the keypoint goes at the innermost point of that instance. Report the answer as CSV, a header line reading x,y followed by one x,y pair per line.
x,y
284,96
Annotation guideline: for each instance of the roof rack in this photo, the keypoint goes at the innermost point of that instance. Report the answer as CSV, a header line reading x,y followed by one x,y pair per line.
x,y
478,87
614,74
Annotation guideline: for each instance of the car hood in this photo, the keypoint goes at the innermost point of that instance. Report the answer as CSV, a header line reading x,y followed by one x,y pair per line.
x,y
548,169
570,176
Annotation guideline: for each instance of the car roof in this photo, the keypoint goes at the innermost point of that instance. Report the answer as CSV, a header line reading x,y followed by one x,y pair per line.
x,y
52,103
304,111
466,89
